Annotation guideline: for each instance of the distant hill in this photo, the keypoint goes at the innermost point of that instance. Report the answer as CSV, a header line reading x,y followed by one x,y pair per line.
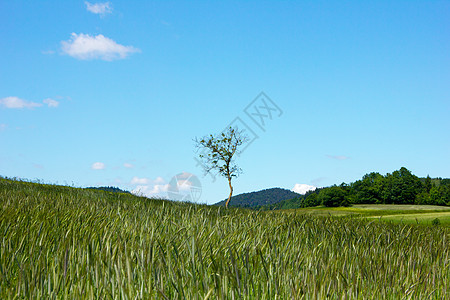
x,y
109,189
297,202
264,197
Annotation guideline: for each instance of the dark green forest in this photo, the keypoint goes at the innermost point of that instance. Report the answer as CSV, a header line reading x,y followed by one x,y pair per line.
x,y
264,197
398,187
111,189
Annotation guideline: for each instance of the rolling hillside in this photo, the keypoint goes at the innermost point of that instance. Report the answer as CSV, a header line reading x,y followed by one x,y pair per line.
x,y
62,242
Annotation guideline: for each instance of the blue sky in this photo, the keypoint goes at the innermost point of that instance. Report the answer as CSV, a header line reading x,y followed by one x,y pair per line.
x,y
113,93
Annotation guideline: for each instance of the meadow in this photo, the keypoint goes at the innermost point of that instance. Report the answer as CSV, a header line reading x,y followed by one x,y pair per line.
x,y
60,242
394,213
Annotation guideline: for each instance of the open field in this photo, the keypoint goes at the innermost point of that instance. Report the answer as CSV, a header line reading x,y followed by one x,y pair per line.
x,y
61,242
422,218
400,207
408,214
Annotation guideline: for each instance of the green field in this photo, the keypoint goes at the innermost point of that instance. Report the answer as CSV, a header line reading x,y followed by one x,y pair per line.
x,y
60,242
407,214
421,218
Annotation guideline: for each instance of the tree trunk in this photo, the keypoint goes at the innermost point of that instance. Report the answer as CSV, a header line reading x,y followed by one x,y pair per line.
x,y
231,192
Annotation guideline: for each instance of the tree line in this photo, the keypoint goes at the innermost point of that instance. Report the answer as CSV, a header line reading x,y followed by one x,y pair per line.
x,y
398,187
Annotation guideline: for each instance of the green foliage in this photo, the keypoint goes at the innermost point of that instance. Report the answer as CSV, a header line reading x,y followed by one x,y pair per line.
x,y
427,185
311,200
109,189
423,198
436,222
369,189
440,195
333,197
401,187
218,151
66,243
263,197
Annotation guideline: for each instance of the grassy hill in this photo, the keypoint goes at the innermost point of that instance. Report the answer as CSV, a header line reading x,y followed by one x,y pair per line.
x,y
59,242
259,198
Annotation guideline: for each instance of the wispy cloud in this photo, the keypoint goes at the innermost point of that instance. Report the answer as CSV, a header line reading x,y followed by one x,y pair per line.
x,y
51,103
38,166
48,52
18,103
302,188
99,8
144,180
3,127
338,157
98,166
136,180
86,47
128,165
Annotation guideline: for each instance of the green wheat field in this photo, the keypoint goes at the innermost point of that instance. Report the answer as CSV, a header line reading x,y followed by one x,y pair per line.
x,y
67,243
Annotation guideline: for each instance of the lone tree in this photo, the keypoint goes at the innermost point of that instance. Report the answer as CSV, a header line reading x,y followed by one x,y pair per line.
x,y
217,152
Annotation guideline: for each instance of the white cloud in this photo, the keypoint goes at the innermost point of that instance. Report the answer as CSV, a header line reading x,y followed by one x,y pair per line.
x,y
98,166
338,157
99,8
137,180
159,180
17,103
157,190
50,102
85,47
146,181
302,188
3,127
128,166
148,187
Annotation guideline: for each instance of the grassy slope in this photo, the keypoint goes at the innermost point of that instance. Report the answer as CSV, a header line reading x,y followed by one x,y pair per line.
x,y
65,242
